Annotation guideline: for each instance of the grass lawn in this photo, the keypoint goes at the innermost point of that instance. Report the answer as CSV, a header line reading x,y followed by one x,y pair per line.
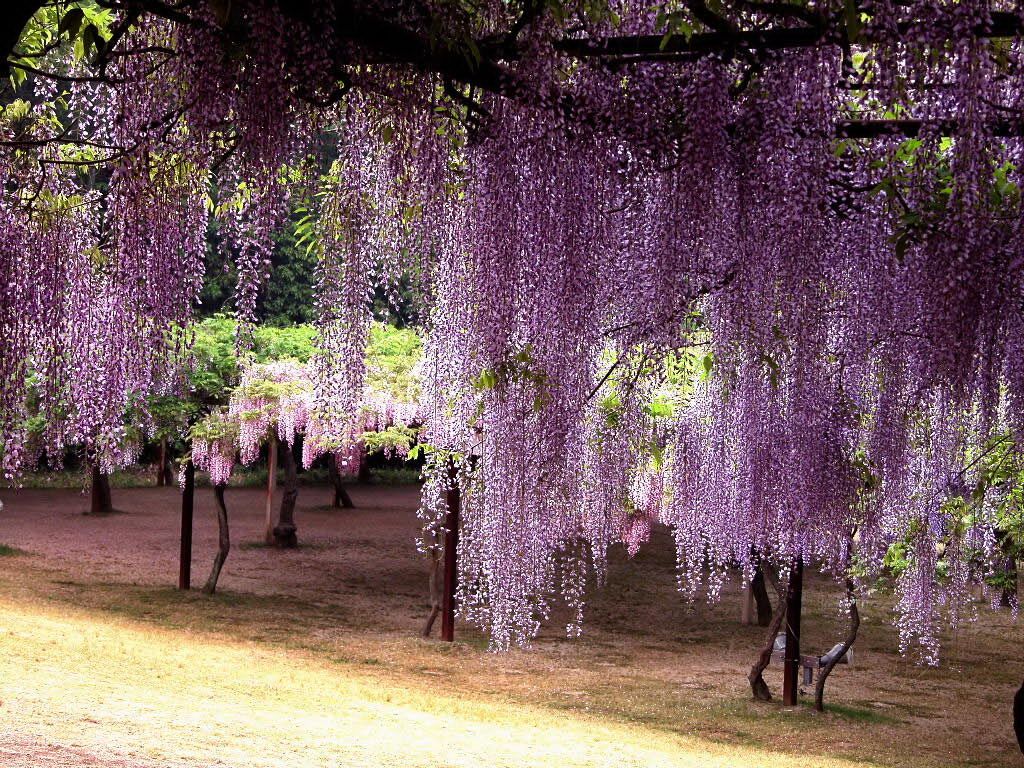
x,y
312,658
115,688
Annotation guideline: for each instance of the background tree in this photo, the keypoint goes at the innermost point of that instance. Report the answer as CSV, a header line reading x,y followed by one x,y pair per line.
x,y
214,440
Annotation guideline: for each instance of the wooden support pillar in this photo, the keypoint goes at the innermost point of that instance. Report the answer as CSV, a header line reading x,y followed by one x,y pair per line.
x,y
268,535
747,610
791,667
161,471
187,509
100,502
451,546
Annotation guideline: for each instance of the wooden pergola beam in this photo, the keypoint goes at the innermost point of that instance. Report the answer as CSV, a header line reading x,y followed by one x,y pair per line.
x,y
388,41
668,48
874,129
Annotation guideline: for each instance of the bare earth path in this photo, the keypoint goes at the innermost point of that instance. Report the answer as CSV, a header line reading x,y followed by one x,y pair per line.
x,y
312,658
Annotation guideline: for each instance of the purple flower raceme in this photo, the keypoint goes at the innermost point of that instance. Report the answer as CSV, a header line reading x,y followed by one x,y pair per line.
x,y
677,289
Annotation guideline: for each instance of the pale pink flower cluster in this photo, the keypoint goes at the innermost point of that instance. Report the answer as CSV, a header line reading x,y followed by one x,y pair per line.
x,y
647,497
272,398
216,457
378,411
383,410
277,399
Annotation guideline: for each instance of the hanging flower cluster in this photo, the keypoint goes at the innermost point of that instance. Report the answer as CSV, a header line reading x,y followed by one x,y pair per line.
x,y
113,158
271,401
274,401
215,446
859,301
828,233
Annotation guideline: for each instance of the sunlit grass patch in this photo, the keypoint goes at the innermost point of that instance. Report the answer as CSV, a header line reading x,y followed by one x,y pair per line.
x,y
351,608
117,687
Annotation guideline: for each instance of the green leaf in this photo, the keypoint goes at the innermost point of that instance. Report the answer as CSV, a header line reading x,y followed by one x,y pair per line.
x,y
901,246
91,40
71,22
707,363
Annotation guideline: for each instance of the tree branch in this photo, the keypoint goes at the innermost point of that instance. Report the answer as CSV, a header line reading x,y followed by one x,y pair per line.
x,y
18,14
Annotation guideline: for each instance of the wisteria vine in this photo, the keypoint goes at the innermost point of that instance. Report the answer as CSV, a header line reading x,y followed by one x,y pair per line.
x,y
767,293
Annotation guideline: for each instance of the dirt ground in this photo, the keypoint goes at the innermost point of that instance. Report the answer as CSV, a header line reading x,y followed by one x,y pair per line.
x,y
651,670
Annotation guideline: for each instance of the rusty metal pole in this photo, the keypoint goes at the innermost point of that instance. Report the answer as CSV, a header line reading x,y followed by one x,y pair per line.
x,y
187,509
451,546
791,666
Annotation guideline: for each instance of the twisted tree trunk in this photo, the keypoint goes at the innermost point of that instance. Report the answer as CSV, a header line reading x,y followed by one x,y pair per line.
x,y
1018,717
161,462
756,677
341,497
285,532
363,474
169,469
100,500
848,641
268,534
224,541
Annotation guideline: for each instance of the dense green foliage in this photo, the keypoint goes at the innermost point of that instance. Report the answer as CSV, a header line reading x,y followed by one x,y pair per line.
x,y
287,297
391,355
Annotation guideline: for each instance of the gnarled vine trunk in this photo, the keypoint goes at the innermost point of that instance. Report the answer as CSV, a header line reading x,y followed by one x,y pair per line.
x,y
1018,717
341,497
100,502
223,541
756,677
848,641
285,532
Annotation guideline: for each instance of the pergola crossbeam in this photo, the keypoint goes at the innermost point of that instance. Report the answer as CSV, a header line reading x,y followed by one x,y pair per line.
x,y
387,41
667,48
